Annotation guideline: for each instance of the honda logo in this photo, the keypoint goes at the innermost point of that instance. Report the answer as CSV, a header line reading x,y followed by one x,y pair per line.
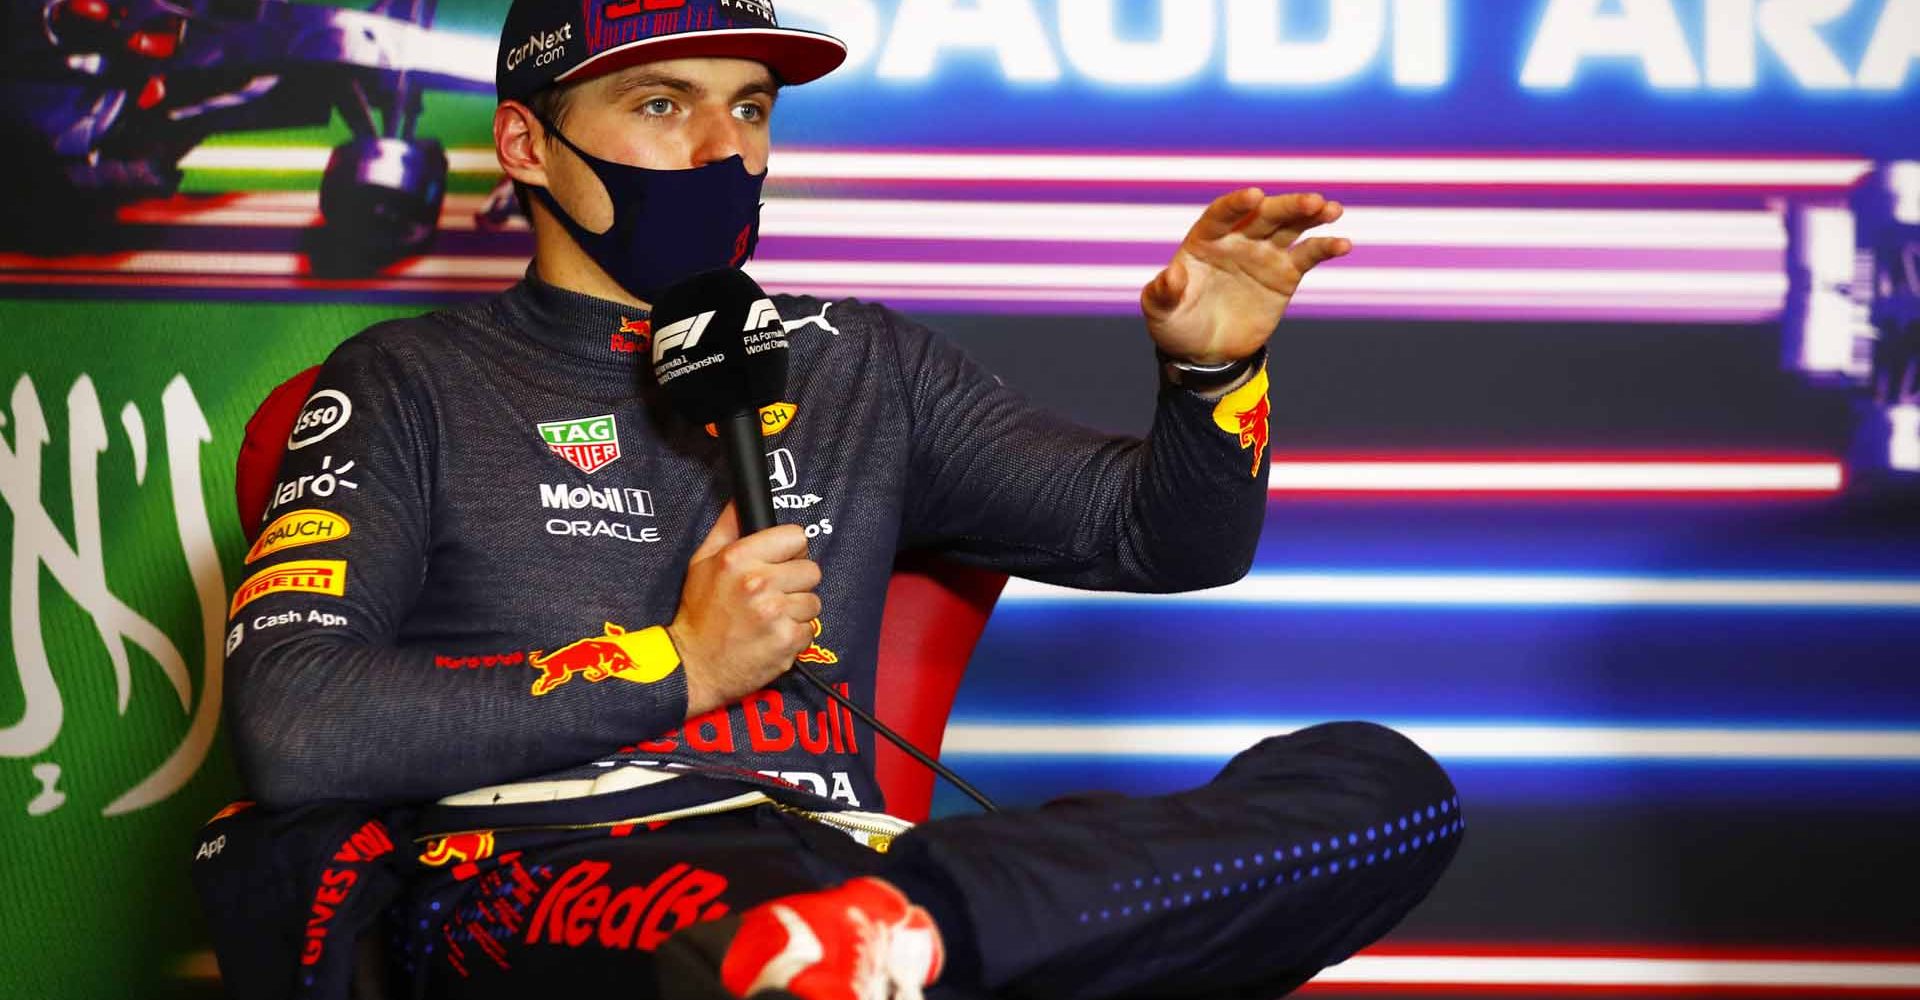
x,y
781,470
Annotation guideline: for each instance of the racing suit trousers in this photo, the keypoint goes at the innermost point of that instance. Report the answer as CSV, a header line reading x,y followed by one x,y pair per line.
x,y
1301,851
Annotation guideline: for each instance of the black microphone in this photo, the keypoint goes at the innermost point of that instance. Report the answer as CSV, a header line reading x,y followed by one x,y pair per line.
x,y
720,354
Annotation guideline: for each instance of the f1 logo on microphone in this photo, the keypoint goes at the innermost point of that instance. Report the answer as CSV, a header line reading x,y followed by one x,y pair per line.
x,y
682,335
763,315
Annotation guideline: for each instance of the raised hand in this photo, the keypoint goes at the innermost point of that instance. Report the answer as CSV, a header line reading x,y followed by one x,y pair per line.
x,y
1229,283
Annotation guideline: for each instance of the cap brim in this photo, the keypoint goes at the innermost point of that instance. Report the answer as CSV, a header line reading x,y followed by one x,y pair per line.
x,y
794,56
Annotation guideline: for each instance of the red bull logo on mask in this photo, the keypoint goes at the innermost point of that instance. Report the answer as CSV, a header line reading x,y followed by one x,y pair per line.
x,y
1243,413
642,657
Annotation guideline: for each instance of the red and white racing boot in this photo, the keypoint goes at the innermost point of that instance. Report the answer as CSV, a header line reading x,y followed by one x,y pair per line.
x,y
861,940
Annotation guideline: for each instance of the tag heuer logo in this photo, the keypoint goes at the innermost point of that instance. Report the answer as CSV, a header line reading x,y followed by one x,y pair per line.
x,y
589,443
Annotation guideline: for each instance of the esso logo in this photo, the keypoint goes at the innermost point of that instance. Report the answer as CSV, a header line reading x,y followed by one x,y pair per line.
x,y
325,411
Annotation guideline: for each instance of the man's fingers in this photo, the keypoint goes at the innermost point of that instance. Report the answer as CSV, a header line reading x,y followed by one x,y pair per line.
x,y
777,544
804,608
725,530
799,636
1307,254
795,576
1284,217
1227,213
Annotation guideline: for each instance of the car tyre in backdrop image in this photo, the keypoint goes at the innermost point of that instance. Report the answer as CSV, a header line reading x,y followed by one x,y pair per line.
x,y
380,200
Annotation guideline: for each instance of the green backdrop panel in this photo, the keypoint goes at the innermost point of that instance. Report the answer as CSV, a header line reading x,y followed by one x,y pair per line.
x,y
119,423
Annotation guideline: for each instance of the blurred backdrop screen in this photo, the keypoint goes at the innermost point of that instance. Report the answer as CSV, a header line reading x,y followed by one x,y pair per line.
x,y
1593,467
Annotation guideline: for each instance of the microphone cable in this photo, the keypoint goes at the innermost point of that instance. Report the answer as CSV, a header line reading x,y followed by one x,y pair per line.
x,y
742,442
895,738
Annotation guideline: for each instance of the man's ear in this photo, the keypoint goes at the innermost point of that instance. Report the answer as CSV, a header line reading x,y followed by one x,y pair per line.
x,y
519,143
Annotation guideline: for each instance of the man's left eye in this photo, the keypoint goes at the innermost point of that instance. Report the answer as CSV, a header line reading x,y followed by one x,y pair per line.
x,y
750,113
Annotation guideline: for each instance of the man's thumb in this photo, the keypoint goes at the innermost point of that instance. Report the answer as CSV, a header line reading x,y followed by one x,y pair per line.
x,y
1163,293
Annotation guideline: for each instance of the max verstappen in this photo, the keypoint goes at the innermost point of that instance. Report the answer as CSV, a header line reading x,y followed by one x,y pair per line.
x,y
511,691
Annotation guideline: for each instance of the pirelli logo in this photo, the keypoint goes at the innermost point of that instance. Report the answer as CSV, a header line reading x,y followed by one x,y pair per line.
x,y
308,576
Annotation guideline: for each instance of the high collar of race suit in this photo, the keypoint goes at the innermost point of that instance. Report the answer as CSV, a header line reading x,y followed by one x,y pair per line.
x,y
595,329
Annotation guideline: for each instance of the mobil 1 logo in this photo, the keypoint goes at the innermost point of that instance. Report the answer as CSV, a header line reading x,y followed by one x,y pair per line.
x,y
588,508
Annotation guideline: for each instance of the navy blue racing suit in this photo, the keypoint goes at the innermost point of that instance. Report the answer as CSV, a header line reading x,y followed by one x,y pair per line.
x,y
483,518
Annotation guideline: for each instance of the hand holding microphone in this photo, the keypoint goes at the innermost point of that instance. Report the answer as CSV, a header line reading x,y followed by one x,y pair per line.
x,y
720,354
746,611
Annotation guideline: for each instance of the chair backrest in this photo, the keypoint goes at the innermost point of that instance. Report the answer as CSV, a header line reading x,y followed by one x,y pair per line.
x,y
935,612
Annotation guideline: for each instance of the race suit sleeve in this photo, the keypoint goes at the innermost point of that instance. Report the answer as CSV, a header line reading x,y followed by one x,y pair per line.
x,y
325,702
1001,482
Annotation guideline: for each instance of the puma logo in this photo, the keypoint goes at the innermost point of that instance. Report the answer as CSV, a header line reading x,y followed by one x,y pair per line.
x,y
819,321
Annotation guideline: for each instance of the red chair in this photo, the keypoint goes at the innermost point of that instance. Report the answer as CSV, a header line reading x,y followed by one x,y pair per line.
x,y
935,612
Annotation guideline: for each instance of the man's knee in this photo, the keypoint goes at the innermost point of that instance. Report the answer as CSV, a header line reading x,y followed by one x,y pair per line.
x,y
1362,757
1391,751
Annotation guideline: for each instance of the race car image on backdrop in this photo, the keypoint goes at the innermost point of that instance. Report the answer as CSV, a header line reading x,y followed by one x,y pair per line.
x,y
106,97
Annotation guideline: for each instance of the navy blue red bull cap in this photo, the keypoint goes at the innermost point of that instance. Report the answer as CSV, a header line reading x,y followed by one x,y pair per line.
x,y
547,42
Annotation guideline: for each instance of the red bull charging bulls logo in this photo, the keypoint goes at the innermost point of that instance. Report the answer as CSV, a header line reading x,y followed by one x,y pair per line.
x,y
1244,413
633,337
816,653
460,850
642,657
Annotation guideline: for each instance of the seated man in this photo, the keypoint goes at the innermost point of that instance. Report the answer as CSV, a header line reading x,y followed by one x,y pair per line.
x,y
536,619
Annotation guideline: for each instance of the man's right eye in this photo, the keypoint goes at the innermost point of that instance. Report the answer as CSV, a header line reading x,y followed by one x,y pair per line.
x,y
659,107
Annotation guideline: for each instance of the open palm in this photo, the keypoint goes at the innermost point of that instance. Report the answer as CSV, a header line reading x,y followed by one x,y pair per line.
x,y
1229,283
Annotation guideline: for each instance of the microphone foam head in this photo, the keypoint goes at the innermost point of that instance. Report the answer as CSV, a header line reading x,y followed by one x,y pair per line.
x,y
719,347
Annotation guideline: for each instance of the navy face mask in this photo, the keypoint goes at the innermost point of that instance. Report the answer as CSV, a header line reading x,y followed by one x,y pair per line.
x,y
667,224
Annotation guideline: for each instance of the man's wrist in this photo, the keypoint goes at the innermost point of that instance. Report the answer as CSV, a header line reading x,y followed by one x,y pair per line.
x,y
698,696
1210,381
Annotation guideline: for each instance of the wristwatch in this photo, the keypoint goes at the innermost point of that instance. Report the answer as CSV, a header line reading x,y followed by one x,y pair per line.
x,y
1202,378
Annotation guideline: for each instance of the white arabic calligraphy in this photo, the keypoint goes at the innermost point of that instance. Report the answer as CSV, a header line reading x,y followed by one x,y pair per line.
x,y
80,570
